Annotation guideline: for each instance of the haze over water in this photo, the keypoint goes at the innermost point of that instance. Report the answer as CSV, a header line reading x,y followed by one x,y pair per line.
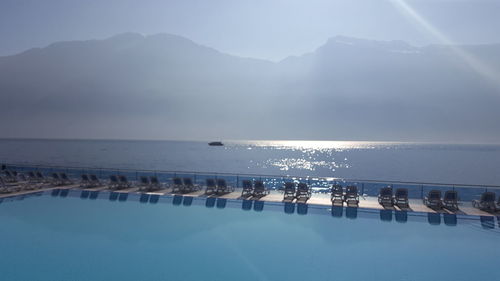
x,y
437,163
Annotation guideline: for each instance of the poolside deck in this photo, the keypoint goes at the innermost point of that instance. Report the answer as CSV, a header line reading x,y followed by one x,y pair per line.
x,y
367,202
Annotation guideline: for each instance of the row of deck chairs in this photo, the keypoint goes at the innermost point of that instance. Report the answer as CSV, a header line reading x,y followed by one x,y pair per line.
x,y
217,186
300,191
6,187
89,181
349,195
184,185
256,189
487,202
435,201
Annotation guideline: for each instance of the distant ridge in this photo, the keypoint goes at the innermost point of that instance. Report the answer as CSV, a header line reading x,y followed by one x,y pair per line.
x,y
167,86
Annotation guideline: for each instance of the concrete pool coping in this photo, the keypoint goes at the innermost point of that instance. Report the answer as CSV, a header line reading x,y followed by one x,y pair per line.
x,y
317,199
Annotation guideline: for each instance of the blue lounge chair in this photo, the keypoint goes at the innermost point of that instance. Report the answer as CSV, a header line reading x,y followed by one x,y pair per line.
x,y
337,195
211,186
401,198
450,199
123,182
290,192
154,183
247,188
144,183
84,180
303,192
188,185
486,203
259,189
385,196
65,180
94,181
177,186
55,179
222,187
113,182
433,199
351,195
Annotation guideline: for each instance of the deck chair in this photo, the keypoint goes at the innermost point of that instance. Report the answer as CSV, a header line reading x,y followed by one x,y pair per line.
x,y
9,176
41,178
222,187
56,180
433,199
385,196
189,186
84,180
259,189
247,188
290,191
486,203
94,181
65,179
154,183
351,195
144,183
5,188
401,198
113,182
337,194
32,177
123,182
177,185
303,192
211,186
450,199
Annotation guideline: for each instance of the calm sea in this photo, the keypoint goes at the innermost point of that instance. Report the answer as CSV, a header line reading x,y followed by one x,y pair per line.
x,y
439,163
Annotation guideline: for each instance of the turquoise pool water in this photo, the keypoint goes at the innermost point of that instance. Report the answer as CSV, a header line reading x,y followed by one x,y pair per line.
x,y
103,236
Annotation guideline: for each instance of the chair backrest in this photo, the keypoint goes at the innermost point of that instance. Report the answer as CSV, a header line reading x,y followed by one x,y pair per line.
x,y
188,181
210,182
113,178
289,186
177,181
337,189
401,193
154,180
122,178
94,178
302,187
247,184
221,183
144,180
488,197
434,194
63,176
451,195
55,176
39,175
386,191
85,177
351,190
31,174
259,185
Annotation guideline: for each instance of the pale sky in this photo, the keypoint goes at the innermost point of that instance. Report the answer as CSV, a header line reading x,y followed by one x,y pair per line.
x,y
253,28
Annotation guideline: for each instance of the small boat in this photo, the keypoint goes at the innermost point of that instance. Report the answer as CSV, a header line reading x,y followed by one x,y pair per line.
x,y
215,143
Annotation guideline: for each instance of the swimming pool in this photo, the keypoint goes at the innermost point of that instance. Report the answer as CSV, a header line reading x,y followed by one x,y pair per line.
x,y
82,235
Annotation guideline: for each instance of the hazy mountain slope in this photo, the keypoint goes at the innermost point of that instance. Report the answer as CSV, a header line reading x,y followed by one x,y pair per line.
x,y
166,86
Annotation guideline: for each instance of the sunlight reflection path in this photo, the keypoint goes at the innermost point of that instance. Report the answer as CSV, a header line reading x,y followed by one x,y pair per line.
x,y
477,65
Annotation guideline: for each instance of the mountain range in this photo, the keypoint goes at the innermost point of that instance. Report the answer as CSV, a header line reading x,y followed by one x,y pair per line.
x,y
168,87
